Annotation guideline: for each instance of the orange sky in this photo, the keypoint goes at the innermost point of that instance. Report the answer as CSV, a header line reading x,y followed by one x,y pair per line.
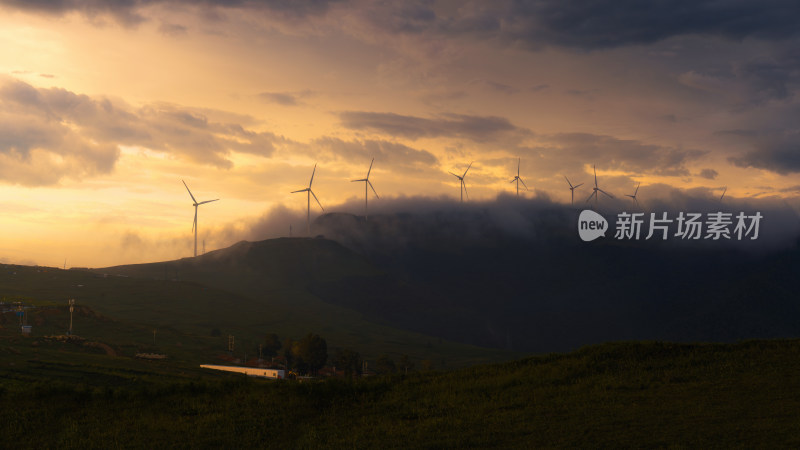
x,y
104,109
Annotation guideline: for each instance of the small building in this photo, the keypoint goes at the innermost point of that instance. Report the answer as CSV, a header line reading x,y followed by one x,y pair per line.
x,y
251,371
26,329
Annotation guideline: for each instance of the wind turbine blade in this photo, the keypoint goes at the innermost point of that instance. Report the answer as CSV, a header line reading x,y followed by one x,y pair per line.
x,y
465,186
519,160
577,186
513,180
312,176
373,189
465,172
570,184
315,198
606,193
724,190
370,167
194,223
208,201
590,196
363,179
190,192
523,183
595,175
637,188
451,173
301,190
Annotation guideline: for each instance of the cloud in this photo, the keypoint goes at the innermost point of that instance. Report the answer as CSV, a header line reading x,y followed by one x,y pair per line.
x,y
397,155
777,151
48,134
598,24
708,174
498,87
172,29
620,154
475,128
281,98
129,13
395,223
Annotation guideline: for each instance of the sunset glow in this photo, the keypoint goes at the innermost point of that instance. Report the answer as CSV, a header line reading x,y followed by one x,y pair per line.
x,y
105,109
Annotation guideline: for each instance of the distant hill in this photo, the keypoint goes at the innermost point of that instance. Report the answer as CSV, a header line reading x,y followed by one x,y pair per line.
x,y
463,278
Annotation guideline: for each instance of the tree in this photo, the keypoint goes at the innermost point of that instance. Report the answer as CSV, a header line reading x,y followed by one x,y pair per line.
x,y
349,361
312,352
271,345
385,365
288,345
405,364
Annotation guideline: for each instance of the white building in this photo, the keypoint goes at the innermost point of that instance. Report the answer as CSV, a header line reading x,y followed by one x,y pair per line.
x,y
252,371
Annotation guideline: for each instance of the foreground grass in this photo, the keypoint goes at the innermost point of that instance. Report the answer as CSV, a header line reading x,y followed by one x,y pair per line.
x,y
620,395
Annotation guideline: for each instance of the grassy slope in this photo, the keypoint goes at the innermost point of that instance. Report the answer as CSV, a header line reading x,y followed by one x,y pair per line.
x,y
625,394
184,313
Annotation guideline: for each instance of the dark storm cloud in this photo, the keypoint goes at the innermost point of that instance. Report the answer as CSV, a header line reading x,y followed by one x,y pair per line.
x,y
595,24
768,78
583,24
46,134
475,128
128,12
778,152
621,154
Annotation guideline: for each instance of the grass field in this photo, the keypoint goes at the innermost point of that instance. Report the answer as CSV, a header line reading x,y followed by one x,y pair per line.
x,y
123,311
612,395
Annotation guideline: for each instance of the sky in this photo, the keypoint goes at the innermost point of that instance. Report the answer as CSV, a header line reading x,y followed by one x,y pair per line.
x,y
105,106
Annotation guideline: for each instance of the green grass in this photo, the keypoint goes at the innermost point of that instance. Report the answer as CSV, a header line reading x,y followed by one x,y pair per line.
x,y
125,310
615,395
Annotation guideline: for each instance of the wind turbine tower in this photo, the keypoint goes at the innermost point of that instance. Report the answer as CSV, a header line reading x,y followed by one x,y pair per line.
x,y
518,179
572,190
635,201
463,185
194,224
366,192
309,194
596,189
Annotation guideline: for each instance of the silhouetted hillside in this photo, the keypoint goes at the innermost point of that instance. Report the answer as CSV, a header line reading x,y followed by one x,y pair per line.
x,y
524,283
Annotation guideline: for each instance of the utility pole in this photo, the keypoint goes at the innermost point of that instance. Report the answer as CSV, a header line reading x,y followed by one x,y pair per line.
x,y
71,308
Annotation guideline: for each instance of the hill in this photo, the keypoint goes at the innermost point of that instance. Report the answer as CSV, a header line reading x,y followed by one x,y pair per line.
x,y
247,291
461,277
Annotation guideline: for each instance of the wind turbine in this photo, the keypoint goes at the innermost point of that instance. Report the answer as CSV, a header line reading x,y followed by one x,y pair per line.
x,y
596,189
463,185
517,178
366,192
309,194
636,202
572,189
725,189
194,224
